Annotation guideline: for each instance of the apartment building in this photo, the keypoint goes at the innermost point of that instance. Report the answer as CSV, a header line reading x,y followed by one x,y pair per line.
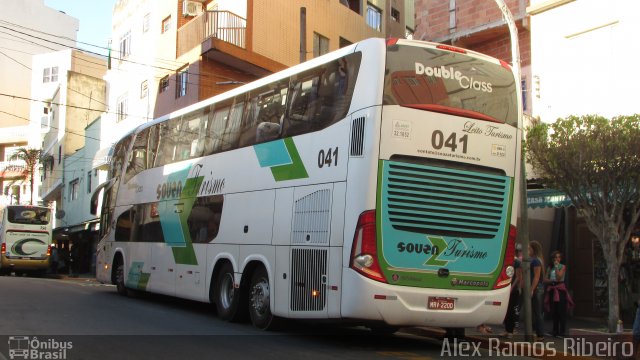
x,y
67,104
27,30
172,53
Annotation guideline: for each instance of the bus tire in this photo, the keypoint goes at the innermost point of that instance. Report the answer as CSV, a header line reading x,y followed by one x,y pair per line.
x,y
260,300
119,280
226,294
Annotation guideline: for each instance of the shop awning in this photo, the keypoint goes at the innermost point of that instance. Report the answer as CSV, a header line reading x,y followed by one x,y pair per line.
x,y
540,198
102,158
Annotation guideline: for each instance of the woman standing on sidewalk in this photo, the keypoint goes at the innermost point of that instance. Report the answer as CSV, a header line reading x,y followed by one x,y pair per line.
x,y
514,298
557,296
537,288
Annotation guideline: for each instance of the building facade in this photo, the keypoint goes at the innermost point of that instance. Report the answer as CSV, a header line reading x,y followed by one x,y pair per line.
x,y
66,105
27,30
172,53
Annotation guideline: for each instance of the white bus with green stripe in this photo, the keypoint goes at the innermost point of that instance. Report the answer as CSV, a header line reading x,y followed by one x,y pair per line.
x,y
374,184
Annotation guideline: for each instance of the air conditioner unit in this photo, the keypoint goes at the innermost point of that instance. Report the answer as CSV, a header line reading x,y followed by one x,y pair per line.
x,y
191,8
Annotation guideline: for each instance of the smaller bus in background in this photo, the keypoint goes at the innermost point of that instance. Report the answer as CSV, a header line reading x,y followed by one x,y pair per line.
x,y
25,239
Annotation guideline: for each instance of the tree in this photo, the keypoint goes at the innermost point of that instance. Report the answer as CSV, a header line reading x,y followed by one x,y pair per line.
x,y
31,157
596,162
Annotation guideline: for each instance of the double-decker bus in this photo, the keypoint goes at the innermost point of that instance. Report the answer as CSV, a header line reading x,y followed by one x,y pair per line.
x,y
375,183
25,239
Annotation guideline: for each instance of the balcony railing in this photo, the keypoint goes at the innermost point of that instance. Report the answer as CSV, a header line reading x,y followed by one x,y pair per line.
x,y
12,168
222,25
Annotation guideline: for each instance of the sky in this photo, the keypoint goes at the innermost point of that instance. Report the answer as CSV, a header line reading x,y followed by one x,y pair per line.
x,y
94,17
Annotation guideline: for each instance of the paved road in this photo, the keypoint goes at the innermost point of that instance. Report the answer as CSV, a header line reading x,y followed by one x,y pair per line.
x,y
93,322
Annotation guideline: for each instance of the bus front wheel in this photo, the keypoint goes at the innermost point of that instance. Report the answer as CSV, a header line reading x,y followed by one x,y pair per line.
x,y
226,293
120,286
259,300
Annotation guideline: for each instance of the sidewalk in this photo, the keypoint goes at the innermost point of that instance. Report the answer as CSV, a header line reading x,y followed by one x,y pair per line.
x,y
586,339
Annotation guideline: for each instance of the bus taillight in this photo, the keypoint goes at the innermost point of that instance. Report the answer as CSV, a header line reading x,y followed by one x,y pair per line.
x,y
364,251
3,250
451,48
49,250
508,271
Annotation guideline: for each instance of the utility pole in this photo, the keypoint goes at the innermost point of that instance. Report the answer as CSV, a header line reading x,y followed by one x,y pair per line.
x,y
303,34
523,226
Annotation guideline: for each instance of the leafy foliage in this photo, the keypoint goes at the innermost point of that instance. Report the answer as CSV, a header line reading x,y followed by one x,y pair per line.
x,y
31,157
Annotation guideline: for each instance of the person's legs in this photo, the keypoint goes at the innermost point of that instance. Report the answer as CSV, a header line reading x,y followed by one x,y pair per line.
x,y
555,315
510,318
536,307
562,314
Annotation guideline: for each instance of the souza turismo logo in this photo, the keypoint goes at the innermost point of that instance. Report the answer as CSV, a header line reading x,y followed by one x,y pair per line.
x,y
451,74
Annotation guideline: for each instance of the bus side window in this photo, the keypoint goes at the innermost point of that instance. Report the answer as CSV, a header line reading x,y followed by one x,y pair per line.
x,y
138,155
204,219
232,130
217,126
153,145
119,156
124,226
150,229
303,106
190,144
265,109
169,137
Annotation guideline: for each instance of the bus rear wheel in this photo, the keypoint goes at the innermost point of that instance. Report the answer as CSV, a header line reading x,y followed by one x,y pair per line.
x,y
227,296
260,300
120,286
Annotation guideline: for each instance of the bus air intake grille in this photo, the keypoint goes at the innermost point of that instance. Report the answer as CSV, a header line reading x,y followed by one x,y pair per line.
x,y
311,219
308,279
357,137
444,201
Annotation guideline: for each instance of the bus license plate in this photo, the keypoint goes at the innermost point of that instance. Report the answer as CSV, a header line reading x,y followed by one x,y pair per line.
x,y
440,303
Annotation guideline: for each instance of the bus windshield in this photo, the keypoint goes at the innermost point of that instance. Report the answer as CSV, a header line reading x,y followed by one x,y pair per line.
x,y
450,82
28,215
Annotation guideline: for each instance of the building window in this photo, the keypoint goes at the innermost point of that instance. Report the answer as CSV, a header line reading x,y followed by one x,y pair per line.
x,y
144,89
125,45
121,112
50,74
182,78
164,84
320,45
89,182
374,17
145,23
344,42
352,4
395,15
408,33
74,186
166,24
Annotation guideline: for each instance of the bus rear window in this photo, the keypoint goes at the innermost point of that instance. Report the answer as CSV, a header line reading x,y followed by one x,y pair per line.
x,y
28,215
450,82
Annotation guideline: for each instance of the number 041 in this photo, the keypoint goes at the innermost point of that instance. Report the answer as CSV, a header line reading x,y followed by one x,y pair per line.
x,y
328,158
438,141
